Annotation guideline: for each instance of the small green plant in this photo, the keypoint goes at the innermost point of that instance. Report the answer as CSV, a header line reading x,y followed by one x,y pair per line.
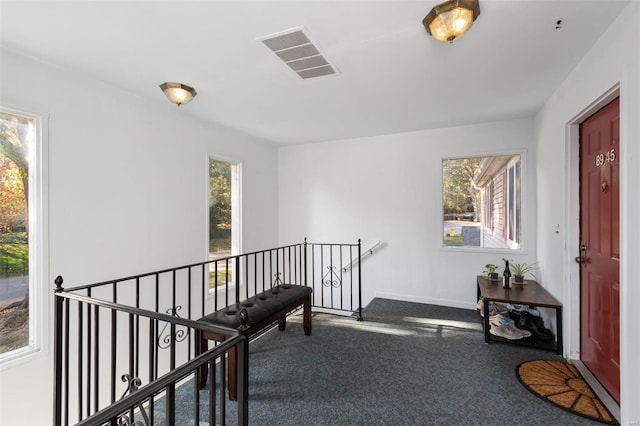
x,y
522,269
490,270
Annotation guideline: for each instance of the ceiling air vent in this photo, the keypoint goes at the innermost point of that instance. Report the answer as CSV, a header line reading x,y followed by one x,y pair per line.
x,y
296,50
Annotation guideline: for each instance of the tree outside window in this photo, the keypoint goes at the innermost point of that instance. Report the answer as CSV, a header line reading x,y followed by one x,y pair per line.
x,y
223,219
16,137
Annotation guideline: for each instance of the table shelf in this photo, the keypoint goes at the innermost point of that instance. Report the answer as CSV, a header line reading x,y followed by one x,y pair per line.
x,y
531,294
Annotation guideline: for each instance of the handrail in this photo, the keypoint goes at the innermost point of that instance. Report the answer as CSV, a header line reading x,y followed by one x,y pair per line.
x,y
177,268
365,253
197,325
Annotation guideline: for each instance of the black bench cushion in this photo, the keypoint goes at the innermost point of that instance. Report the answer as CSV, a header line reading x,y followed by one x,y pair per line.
x,y
259,307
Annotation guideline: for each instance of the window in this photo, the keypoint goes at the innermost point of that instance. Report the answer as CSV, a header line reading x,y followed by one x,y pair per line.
x,y
488,207
22,245
481,198
224,219
513,203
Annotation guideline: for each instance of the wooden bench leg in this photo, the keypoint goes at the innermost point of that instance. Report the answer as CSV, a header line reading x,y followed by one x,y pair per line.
x,y
202,345
232,374
232,360
306,316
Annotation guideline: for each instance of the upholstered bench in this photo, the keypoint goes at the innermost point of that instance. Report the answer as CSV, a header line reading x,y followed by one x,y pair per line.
x,y
262,310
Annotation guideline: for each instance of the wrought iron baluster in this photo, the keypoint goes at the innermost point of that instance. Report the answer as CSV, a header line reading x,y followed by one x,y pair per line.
x,y
288,279
153,324
215,286
96,363
89,343
114,324
80,331
304,265
66,360
58,353
226,281
321,278
173,288
196,399
189,312
359,281
171,389
351,277
341,290
212,392
205,286
277,263
270,265
255,273
157,309
263,272
137,331
131,354
246,276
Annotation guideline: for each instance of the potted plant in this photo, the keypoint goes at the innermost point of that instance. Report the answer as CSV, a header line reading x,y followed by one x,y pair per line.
x,y
520,270
490,270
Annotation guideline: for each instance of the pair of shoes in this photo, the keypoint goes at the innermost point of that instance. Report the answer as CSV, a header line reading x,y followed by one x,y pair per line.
x,y
522,308
494,308
504,327
534,324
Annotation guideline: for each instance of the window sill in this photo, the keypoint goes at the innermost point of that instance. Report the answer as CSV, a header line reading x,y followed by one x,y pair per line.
x,y
18,357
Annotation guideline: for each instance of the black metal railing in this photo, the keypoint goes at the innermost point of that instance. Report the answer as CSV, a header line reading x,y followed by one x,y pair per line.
x,y
113,365
142,328
336,287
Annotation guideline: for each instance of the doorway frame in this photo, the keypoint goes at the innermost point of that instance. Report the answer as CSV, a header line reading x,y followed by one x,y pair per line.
x,y
571,292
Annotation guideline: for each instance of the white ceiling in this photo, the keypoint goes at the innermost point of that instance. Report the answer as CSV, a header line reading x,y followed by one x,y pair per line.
x,y
393,76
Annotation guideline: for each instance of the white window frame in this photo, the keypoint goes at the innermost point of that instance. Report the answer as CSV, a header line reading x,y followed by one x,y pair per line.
x,y
512,168
488,212
512,248
40,293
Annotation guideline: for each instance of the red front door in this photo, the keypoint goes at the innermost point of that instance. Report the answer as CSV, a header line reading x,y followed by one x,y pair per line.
x,y
599,234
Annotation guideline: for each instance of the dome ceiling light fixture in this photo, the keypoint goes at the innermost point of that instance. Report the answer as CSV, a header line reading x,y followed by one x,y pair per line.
x,y
178,93
448,21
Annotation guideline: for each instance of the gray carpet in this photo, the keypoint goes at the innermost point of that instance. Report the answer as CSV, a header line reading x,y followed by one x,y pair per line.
x,y
406,364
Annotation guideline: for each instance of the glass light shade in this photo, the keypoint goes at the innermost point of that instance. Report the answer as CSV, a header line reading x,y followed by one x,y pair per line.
x,y
450,25
449,20
178,93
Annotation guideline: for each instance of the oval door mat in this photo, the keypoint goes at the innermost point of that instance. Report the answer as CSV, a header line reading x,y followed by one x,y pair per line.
x,y
561,384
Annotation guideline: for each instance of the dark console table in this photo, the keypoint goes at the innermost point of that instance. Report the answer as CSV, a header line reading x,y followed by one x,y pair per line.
x,y
530,293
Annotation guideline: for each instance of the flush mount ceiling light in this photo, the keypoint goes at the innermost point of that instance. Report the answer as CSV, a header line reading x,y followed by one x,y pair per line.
x,y
449,20
178,93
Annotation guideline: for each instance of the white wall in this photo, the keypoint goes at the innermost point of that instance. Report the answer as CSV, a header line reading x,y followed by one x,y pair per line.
x,y
388,188
128,186
613,60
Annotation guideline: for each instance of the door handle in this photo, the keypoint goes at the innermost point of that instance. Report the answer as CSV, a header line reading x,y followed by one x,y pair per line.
x,y
582,259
